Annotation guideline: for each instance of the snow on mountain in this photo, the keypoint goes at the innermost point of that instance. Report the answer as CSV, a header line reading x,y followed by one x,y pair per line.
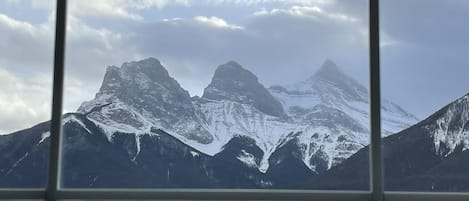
x,y
450,130
140,96
227,119
335,109
332,88
431,155
328,112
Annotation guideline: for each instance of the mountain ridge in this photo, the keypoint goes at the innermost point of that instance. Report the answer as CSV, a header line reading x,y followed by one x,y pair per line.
x,y
428,156
292,134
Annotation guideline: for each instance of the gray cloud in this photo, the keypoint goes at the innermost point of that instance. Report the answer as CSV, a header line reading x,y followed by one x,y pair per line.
x,y
26,45
272,44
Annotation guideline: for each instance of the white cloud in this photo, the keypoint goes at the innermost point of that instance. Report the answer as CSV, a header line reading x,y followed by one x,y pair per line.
x,y
103,8
26,55
257,2
215,21
24,102
146,4
308,11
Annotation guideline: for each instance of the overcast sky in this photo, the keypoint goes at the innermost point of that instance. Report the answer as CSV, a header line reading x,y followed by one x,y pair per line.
x,y
424,46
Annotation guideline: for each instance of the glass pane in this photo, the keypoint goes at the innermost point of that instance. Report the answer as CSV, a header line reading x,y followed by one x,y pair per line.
x,y
26,55
424,68
205,94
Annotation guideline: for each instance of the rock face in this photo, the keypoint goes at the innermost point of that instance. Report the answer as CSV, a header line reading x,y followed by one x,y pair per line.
x,y
232,82
432,155
141,95
143,130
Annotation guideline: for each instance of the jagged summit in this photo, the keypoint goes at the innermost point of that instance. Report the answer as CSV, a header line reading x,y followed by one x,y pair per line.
x,y
328,68
232,82
330,86
138,75
330,74
141,95
232,64
151,66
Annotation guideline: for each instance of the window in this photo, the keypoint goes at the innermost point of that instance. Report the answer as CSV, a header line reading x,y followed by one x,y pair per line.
x,y
213,95
84,130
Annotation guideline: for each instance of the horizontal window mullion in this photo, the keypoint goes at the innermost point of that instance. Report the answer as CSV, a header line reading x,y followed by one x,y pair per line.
x,y
8,193
204,194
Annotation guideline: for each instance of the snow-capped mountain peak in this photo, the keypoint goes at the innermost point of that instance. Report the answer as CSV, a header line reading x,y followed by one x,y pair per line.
x,y
140,96
329,70
331,87
234,83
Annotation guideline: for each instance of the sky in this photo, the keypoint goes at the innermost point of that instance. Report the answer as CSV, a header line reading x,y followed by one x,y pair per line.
x,y
424,46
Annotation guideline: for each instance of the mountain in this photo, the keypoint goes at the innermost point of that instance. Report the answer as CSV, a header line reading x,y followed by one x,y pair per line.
x,y
142,129
232,82
334,111
139,95
331,88
432,155
91,160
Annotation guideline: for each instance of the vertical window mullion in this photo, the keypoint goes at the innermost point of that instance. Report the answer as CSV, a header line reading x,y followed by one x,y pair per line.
x,y
57,100
376,161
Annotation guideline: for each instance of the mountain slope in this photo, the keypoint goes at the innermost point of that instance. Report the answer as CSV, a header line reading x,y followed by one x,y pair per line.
x,y
91,160
334,111
429,156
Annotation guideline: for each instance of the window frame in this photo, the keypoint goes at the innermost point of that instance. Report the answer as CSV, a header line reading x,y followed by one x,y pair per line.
x,y
53,192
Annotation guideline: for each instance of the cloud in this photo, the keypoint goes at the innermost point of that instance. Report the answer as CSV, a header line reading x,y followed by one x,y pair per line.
x,y
263,2
273,44
25,44
88,52
26,55
308,11
23,102
215,21
102,8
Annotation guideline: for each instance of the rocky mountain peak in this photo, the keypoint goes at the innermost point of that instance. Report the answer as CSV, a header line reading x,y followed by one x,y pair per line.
x,y
151,67
330,79
328,69
140,95
232,82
